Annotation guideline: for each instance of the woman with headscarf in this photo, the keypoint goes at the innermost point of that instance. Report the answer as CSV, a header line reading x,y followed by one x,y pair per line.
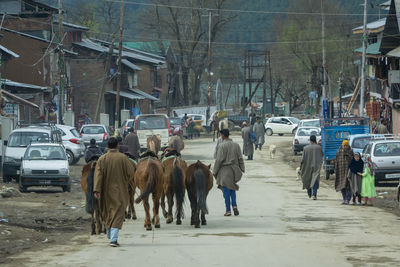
x,y
356,169
342,162
368,183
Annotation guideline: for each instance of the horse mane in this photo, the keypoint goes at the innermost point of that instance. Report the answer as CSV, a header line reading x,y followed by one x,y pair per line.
x,y
152,145
148,153
172,153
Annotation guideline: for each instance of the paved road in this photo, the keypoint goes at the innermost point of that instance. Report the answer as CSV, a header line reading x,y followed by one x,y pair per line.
x,y
278,226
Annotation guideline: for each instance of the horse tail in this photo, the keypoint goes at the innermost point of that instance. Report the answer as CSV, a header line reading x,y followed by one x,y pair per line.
x,y
152,176
179,189
90,200
201,191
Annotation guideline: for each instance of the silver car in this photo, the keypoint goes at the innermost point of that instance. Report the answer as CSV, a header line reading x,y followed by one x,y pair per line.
x,y
72,142
98,132
385,157
302,138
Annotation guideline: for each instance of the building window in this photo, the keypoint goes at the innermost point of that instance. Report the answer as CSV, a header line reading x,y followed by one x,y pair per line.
x,y
75,36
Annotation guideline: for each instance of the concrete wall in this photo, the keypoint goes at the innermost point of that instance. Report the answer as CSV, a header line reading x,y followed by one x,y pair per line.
x,y
396,121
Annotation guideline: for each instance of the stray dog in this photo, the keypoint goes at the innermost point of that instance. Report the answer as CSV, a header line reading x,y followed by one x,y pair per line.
x,y
298,174
272,151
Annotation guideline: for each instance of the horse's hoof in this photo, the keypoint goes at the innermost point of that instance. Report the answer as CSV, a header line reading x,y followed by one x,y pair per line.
x,y
169,220
203,223
157,226
134,217
178,222
148,228
197,226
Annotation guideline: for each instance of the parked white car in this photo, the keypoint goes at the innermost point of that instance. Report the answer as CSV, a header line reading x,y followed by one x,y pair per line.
x,y
72,142
385,157
147,125
281,125
302,137
310,123
45,164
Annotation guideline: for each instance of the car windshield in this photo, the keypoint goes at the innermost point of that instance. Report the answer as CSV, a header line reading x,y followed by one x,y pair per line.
x,y
75,133
387,149
360,142
294,120
152,122
308,132
129,124
197,118
93,130
313,123
45,153
23,139
175,121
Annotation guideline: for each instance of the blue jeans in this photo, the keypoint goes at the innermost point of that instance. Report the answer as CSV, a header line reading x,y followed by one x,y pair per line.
x,y
313,190
112,234
229,195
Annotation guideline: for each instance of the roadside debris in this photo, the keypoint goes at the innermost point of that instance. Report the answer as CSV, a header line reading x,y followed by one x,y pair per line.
x,y
6,192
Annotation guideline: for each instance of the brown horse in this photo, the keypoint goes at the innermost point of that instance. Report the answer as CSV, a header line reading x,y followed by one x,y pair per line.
x,y
199,181
149,179
92,205
131,213
154,144
174,185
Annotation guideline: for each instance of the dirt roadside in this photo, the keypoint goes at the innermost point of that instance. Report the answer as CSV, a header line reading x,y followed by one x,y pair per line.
x,y
42,217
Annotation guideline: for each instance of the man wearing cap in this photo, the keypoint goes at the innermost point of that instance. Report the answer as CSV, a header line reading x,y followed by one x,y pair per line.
x,y
248,148
310,167
259,130
132,143
228,169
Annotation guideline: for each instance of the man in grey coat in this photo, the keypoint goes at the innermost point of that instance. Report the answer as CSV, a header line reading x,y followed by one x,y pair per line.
x,y
310,167
259,130
132,143
228,170
248,149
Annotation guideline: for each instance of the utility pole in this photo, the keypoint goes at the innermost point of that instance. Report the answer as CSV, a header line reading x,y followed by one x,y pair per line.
x,y
270,84
244,80
323,52
364,47
265,86
61,65
209,67
121,29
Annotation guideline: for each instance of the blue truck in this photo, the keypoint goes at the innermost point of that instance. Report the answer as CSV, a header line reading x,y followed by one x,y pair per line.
x,y
333,132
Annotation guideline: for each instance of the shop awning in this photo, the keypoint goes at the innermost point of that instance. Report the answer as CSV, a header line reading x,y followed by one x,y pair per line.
x,y
145,95
10,83
394,53
18,100
372,49
130,64
126,95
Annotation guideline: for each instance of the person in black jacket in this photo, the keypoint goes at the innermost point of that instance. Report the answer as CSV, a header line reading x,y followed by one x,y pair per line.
x,y
92,151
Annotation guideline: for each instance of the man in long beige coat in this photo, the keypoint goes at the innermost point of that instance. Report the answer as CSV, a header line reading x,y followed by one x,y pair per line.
x,y
310,167
228,169
111,178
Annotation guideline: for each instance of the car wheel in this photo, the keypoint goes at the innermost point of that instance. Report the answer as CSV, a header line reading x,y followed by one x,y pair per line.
x,y
66,188
71,158
268,132
280,134
22,188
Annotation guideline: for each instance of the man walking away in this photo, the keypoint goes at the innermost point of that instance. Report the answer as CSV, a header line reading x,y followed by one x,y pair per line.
x,y
228,169
259,130
112,176
248,148
92,151
132,143
310,167
121,147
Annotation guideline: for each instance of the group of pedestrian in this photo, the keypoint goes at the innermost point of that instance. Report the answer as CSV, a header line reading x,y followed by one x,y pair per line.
x,y
253,136
353,177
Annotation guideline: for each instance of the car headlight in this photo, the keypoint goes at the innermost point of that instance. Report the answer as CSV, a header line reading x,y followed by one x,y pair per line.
x,y
64,171
10,159
26,171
